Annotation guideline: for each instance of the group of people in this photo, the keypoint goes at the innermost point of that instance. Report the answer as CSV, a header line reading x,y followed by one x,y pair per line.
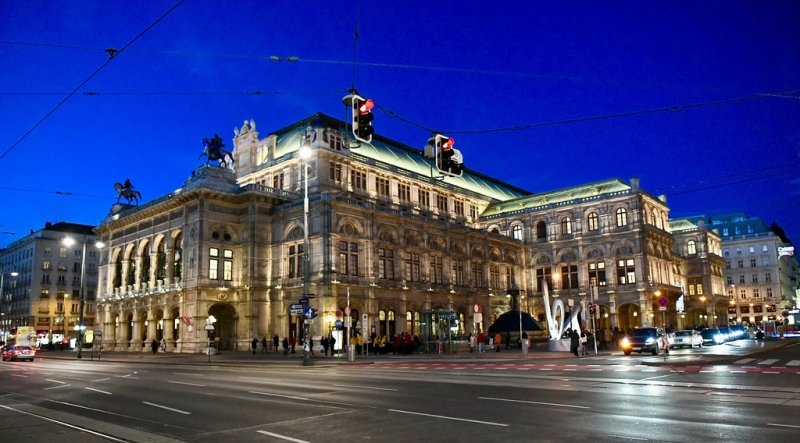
x,y
158,346
287,345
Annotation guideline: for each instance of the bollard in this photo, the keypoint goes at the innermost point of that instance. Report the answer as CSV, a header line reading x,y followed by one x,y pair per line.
x,y
351,352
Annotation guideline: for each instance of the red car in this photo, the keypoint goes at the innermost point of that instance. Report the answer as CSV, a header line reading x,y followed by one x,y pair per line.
x,y
18,352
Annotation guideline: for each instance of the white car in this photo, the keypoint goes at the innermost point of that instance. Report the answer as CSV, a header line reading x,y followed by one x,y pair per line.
x,y
687,337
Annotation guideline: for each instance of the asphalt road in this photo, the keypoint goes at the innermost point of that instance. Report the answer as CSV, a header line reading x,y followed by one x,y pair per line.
x,y
726,394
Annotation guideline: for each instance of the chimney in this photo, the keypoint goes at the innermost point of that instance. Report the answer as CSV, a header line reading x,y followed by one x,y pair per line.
x,y
635,184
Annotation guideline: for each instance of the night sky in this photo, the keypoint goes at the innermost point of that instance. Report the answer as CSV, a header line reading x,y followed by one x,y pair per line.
x,y
700,100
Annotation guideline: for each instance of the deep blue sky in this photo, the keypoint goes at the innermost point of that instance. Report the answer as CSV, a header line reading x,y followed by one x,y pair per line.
x,y
445,65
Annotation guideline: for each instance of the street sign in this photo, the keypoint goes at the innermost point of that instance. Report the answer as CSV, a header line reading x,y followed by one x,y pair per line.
x,y
309,296
662,308
339,325
662,301
347,311
303,301
339,313
296,308
309,313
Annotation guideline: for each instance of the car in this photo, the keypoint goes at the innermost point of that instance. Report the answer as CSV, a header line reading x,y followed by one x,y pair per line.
x,y
644,339
726,332
712,336
739,331
687,337
18,352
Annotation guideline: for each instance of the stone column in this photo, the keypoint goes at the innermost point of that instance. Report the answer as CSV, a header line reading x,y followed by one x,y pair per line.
x,y
136,339
168,332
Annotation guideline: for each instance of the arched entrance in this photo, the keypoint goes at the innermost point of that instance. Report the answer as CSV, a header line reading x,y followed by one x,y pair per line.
x,y
628,316
225,327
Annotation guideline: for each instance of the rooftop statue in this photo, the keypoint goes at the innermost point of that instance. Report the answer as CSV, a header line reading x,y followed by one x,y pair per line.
x,y
214,150
126,191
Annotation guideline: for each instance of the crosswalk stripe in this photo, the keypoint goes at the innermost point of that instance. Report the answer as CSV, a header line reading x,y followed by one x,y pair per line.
x,y
743,361
768,361
793,363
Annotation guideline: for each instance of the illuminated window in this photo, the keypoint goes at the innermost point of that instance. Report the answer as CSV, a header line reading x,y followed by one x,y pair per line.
x,y
516,232
386,264
691,247
626,272
566,226
597,273
622,217
412,266
593,221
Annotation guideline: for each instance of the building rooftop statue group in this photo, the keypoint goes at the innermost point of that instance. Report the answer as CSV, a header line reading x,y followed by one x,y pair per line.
x,y
392,244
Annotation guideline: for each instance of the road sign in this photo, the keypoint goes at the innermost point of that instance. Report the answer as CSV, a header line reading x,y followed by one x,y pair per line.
x,y
662,308
339,325
662,301
309,296
309,313
303,301
296,308
347,311
339,313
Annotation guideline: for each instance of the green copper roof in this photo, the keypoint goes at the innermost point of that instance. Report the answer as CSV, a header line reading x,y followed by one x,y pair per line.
x,y
575,194
682,224
395,156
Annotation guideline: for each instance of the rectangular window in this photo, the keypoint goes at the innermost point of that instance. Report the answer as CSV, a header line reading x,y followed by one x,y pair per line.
x,y
386,264
740,263
597,273
569,277
755,278
404,193
213,263
546,275
768,277
476,270
494,276
765,261
412,266
764,248
436,270
741,279
727,264
227,265
458,273
336,142
473,212
511,278
424,198
60,307
755,293
62,252
277,180
73,309
441,203
769,292
48,251
752,249
45,293
382,185
743,294
295,260
695,285
348,258
358,180
458,208
752,263
77,253
46,265
62,280
335,172
626,272
729,279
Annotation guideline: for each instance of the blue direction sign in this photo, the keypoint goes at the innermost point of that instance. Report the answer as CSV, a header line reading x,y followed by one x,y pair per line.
x,y
339,325
296,308
309,312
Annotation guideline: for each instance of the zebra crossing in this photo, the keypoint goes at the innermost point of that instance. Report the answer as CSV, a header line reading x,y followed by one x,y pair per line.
x,y
767,362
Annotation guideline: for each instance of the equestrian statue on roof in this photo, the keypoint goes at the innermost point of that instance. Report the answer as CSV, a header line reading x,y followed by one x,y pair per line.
x,y
214,150
126,191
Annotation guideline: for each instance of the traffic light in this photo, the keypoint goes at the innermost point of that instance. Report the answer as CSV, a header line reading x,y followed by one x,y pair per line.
x,y
448,159
362,118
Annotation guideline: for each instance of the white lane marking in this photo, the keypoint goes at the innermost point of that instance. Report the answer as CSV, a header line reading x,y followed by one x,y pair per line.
x,y
187,384
283,437
793,363
101,379
55,387
449,418
365,387
768,361
97,390
292,397
166,408
743,361
19,375
770,372
55,381
187,373
534,402
88,431
783,426
624,437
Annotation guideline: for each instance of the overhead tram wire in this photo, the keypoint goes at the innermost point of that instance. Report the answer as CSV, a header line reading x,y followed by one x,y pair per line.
x,y
112,54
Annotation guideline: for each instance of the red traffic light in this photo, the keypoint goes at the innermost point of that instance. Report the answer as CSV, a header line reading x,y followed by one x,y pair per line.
x,y
366,106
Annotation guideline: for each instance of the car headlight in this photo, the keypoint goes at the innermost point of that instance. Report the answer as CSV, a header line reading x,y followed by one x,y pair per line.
x,y
625,342
718,338
650,341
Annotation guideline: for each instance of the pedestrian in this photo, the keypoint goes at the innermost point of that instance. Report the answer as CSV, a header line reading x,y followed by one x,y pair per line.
x,y
285,346
311,345
472,343
584,343
574,342
163,346
254,345
497,340
292,342
275,341
481,341
331,343
264,345
324,342
154,346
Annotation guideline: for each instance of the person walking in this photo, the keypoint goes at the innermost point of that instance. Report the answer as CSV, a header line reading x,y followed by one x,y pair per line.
x,y
275,342
285,347
481,342
162,346
254,345
311,345
331,342
574,342
154,346
264,345
471,343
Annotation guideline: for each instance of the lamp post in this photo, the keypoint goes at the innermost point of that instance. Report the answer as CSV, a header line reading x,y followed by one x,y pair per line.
x,y
305,154
6,313
69,241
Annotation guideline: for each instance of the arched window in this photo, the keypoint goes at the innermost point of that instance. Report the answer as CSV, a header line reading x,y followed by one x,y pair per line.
x,y
566,226
691,247
593,221
541,230
516,232
622,217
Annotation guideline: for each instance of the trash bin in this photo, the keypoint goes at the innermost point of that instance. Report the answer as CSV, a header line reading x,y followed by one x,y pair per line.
x,y
351,352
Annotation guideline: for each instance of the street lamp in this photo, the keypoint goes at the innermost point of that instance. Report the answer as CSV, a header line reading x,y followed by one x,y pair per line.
x,y
305,153
69,241
6,313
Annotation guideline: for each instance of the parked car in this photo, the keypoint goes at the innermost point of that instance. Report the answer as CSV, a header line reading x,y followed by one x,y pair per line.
x,y
739,332
644,339
712,336
687,337
18,352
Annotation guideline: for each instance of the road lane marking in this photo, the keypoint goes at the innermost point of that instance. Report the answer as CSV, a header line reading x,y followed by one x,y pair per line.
x,y
283,437
185,383
55,387
783,426
768,361
625,437
55,381
365,387
743,361
291,397
793,363
449,418
101,379
19,375
97,390
166,408
65,424
534,402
